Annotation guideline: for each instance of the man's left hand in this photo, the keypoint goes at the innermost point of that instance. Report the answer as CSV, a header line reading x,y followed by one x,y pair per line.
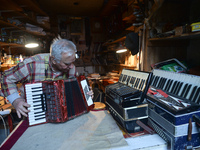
x,y
91,93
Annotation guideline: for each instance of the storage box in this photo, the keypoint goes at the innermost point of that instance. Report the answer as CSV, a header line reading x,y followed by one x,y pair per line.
x,y
179,30
195,26
2,101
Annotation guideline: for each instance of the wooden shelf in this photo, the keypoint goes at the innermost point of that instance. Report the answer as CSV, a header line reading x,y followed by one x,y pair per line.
x,y
14,27
11,44
24,18
191,35
9,5
31,5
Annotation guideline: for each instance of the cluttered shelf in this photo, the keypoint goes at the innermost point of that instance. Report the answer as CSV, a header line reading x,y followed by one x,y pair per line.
x,y
7,24
191,35
25,18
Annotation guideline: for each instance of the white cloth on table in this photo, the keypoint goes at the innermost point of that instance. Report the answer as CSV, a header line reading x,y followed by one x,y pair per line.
x,y
94,130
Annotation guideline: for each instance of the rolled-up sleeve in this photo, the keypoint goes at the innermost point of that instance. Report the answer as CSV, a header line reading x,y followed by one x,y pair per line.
x,y
10,78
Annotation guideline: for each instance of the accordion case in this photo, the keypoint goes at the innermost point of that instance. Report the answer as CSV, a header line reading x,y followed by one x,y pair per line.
x,y
174,109
57,100
124,99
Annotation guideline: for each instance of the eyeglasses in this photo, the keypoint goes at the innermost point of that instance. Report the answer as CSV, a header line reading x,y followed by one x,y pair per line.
x,y
68,64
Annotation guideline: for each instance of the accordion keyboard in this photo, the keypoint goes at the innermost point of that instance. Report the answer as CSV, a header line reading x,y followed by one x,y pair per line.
x,y
183,85
35,97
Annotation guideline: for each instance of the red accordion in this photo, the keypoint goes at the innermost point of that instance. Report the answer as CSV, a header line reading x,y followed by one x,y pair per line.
x,y
57,100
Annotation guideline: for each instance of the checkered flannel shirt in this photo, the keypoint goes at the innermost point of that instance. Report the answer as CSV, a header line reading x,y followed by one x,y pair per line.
x,y
32,69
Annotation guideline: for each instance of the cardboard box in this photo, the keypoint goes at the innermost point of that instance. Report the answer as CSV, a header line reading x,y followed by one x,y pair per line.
x,y
195,26
2,101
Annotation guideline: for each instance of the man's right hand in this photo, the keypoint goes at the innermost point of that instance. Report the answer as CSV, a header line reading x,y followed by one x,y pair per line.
x,y
21,107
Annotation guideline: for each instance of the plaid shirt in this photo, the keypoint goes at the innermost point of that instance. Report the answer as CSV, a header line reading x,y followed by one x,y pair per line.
x,y
32,69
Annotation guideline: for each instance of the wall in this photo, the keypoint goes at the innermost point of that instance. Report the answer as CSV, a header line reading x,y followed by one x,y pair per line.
x,y
193,54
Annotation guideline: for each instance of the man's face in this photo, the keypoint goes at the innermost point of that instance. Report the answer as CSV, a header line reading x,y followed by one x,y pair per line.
x,y
66,62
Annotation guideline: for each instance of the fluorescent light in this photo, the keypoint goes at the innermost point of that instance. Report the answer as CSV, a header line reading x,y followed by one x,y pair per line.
x,y
31,45
121,50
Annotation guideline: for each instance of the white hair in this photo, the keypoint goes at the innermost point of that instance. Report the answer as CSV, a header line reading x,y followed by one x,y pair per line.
x,y
60,46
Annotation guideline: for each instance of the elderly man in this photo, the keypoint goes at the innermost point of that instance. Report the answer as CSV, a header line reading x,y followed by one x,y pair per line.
x,y
56,65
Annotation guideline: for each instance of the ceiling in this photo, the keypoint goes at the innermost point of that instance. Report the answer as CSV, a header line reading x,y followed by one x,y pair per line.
x,y
75,7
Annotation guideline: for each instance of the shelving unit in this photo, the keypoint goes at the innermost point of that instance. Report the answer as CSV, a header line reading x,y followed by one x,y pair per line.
x,y
192,35
25,11
183,47
14,27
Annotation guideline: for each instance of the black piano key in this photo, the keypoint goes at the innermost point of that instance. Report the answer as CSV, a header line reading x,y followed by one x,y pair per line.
x,y
142,84
42,115
36,91
128,79
136,82
36,95
37,108
184,90
120,78
162,83
33,88
187,90
124,78
152,79
179,88
139,86
36,105
159,82
198,98
36,101
174,86
155,80
132,80
192,93
169,85
40,118
197,95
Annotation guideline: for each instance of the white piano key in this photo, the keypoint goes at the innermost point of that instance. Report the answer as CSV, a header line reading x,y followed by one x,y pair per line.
x,y
33,85
34,115
33,88
35,103
33,122
34,109
34,93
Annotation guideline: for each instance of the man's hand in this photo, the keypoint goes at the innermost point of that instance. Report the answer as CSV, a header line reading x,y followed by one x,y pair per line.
x,y
91,93
21,107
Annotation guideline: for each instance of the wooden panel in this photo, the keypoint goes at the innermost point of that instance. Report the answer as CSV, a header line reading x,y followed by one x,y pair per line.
x,y
31,5
9,5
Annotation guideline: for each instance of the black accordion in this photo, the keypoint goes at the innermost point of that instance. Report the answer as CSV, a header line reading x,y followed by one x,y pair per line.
x,y
57,100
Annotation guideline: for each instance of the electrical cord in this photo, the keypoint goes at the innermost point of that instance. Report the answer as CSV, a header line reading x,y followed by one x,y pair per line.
x,y
4,125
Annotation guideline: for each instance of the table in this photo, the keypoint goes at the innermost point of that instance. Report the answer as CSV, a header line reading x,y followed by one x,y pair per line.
x,y
94,130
